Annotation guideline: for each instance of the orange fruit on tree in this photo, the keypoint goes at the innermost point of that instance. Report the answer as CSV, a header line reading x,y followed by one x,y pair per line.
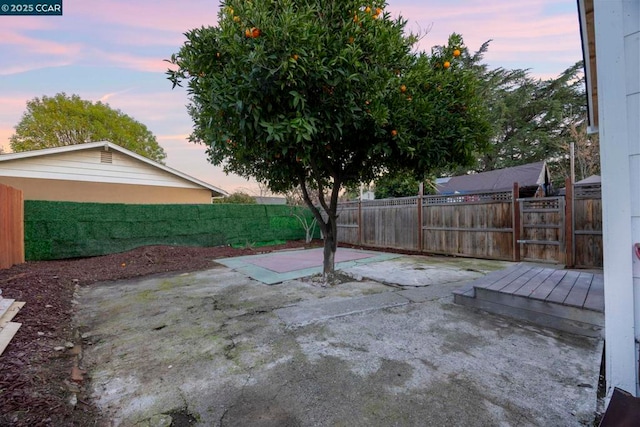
x,y
403,88
236,19
247,33
446,64
355,18
394,132
255,32
367,9
351,40
456,53
295,57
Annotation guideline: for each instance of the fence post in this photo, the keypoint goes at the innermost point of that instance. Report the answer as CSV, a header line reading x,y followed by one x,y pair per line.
x,y
360,221
11,226
420,194
568,222
515,207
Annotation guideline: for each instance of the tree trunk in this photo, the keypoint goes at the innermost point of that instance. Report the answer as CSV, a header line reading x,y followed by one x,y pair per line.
x,y
329,228
330,248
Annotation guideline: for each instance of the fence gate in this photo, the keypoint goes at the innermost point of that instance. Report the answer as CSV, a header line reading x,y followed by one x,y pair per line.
x,y
587,226
542,229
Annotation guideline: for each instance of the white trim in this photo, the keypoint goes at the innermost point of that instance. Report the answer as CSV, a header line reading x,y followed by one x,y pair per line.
x,y
592,126
106,145
621,363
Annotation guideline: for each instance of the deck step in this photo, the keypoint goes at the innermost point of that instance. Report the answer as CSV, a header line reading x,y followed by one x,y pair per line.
x,y
548,314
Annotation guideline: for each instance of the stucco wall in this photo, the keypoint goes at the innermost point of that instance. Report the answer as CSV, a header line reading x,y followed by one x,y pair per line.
x,y
74,191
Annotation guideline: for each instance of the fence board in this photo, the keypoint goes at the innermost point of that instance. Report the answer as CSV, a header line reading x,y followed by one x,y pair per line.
x,y
11,226
482,225
588,231
348,223
482,230
390,225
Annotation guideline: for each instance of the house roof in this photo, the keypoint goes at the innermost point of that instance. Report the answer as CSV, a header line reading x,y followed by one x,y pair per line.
x,y
593,179
107,146
529,175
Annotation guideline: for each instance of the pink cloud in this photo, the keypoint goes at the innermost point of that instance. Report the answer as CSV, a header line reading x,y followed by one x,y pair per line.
x,y
39,46
161,15
522,37
124,59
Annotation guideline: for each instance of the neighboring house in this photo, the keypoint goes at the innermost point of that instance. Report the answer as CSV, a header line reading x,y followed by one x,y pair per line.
x,y
611,47
533,179
367,195
270,200
590,180
100,172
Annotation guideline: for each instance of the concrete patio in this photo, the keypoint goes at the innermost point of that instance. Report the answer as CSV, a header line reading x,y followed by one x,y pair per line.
x,y
388,348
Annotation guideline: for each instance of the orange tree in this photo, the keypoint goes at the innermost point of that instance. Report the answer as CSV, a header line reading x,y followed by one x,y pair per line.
x,y
322,94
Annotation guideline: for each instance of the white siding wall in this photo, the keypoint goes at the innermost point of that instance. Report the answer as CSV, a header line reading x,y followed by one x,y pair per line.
x,y
86,165
617,28
631,29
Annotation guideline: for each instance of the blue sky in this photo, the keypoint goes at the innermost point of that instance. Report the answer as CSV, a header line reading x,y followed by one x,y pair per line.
x,y
113,51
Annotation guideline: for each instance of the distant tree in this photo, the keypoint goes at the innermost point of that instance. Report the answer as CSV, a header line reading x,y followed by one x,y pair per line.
x,y
397,184
531,118
238,197
67,120
586,153
325,94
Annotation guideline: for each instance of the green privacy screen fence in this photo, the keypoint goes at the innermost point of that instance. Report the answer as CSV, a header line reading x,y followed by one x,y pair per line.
x,y
57,230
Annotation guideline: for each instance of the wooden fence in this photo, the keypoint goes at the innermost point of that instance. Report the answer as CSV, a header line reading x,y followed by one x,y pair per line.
x,y
492,225
11,226
587,226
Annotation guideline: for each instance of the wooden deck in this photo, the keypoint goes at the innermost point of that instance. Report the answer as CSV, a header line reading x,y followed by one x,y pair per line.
x,y
567,300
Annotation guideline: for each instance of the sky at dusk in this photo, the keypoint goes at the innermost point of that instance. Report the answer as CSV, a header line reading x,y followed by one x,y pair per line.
x,y
113,51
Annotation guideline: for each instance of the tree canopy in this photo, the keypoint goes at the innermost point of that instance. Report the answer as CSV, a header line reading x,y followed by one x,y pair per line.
x,y
531,120
238,197
323,94
67,120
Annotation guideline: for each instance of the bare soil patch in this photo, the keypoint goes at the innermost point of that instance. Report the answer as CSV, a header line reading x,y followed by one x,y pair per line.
x,y
36,386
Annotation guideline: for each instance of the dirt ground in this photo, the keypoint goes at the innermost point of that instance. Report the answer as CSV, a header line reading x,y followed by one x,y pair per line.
x,y
36,385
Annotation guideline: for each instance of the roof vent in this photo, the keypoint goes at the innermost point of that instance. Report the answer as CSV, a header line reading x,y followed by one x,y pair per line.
x,y
106,157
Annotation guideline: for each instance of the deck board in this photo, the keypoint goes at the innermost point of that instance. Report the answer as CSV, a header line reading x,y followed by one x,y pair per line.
x,y
491,277
548,285
522,280
595,297
579,291
506,280
533,284
562,289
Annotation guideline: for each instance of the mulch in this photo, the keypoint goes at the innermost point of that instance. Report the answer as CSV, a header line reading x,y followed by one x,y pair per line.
x,y
36,387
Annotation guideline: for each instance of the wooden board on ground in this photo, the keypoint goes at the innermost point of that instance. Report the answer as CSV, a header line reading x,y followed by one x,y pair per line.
x,y
5,303
10,313
7,333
